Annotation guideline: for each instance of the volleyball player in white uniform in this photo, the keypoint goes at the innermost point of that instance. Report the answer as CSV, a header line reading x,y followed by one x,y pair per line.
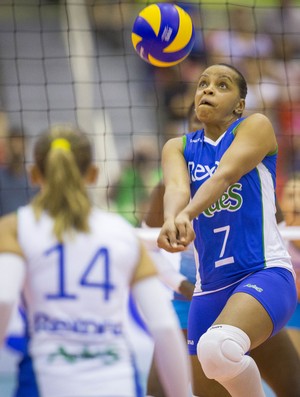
x,y
75,265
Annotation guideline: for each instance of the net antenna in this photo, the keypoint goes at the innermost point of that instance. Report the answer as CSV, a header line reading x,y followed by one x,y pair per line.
x,y
80,48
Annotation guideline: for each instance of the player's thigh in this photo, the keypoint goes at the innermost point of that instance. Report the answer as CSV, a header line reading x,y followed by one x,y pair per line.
x,y
283,375
245,312
256,306
201,385
294,334
293,328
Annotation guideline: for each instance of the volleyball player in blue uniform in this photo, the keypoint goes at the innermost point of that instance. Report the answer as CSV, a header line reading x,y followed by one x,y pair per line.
x,y
245,290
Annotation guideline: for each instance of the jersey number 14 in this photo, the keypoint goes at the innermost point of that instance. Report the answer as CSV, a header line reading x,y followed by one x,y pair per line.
x,y
101,258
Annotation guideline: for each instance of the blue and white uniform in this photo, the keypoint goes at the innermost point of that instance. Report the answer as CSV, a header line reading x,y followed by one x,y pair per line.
x,y
237,236
76,294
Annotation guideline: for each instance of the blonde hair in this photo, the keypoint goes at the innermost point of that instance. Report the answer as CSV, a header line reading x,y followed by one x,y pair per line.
x,y
63,155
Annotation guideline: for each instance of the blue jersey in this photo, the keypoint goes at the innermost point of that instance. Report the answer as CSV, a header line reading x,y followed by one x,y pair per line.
x,y
238,234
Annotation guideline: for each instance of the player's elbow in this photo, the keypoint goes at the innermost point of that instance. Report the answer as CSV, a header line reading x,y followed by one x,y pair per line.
x,y
227,177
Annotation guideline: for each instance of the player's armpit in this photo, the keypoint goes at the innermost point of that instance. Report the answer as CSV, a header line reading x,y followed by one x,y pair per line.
x,y
186,288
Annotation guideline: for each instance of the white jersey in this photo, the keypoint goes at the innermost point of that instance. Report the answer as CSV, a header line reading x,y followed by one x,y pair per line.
x,y
76,295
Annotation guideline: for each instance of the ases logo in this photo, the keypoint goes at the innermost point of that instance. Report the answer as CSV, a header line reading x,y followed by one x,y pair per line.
x,y
231,200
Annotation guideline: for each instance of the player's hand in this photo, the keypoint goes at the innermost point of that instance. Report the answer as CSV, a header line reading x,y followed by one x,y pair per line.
x,y
168,238
185,229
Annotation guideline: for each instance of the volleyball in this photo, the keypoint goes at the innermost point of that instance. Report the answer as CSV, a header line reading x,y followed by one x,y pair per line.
x,y
163,34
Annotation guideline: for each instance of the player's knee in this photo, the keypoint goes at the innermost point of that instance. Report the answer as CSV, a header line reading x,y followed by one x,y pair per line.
x,y
221,352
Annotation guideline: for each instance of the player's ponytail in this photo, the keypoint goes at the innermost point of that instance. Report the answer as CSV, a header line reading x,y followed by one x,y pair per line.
x,y
63,156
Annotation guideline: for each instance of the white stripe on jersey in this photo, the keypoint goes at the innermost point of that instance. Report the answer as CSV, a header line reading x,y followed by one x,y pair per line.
x,y
273,241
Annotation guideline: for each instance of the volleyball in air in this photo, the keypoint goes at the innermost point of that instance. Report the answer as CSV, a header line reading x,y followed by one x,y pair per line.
x,y
163,34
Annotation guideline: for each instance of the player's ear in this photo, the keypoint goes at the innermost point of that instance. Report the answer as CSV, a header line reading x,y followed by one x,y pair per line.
x,y
240,107
91,175
35,176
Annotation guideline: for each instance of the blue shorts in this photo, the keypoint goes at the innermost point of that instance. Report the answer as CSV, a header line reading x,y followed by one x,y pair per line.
x,y
274,288
182,311
294,321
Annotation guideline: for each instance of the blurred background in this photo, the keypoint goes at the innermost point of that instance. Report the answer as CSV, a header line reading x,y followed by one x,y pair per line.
x,y
73,61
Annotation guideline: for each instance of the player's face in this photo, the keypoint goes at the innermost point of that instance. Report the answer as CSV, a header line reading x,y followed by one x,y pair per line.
x,y
217,95
290,203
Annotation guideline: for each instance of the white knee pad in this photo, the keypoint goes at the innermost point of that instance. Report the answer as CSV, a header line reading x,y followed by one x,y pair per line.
x,y
221,352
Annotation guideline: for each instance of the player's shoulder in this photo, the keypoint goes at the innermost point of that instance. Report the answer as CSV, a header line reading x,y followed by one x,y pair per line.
x,y
258,119
174,144
173,141
8,234
258,127
8,223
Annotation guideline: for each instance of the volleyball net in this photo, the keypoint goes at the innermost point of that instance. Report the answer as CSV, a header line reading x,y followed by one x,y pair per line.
x,y
73,61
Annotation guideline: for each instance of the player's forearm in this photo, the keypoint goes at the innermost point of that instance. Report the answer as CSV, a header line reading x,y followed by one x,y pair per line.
x,y
171,362
175,200
159,315
206,195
